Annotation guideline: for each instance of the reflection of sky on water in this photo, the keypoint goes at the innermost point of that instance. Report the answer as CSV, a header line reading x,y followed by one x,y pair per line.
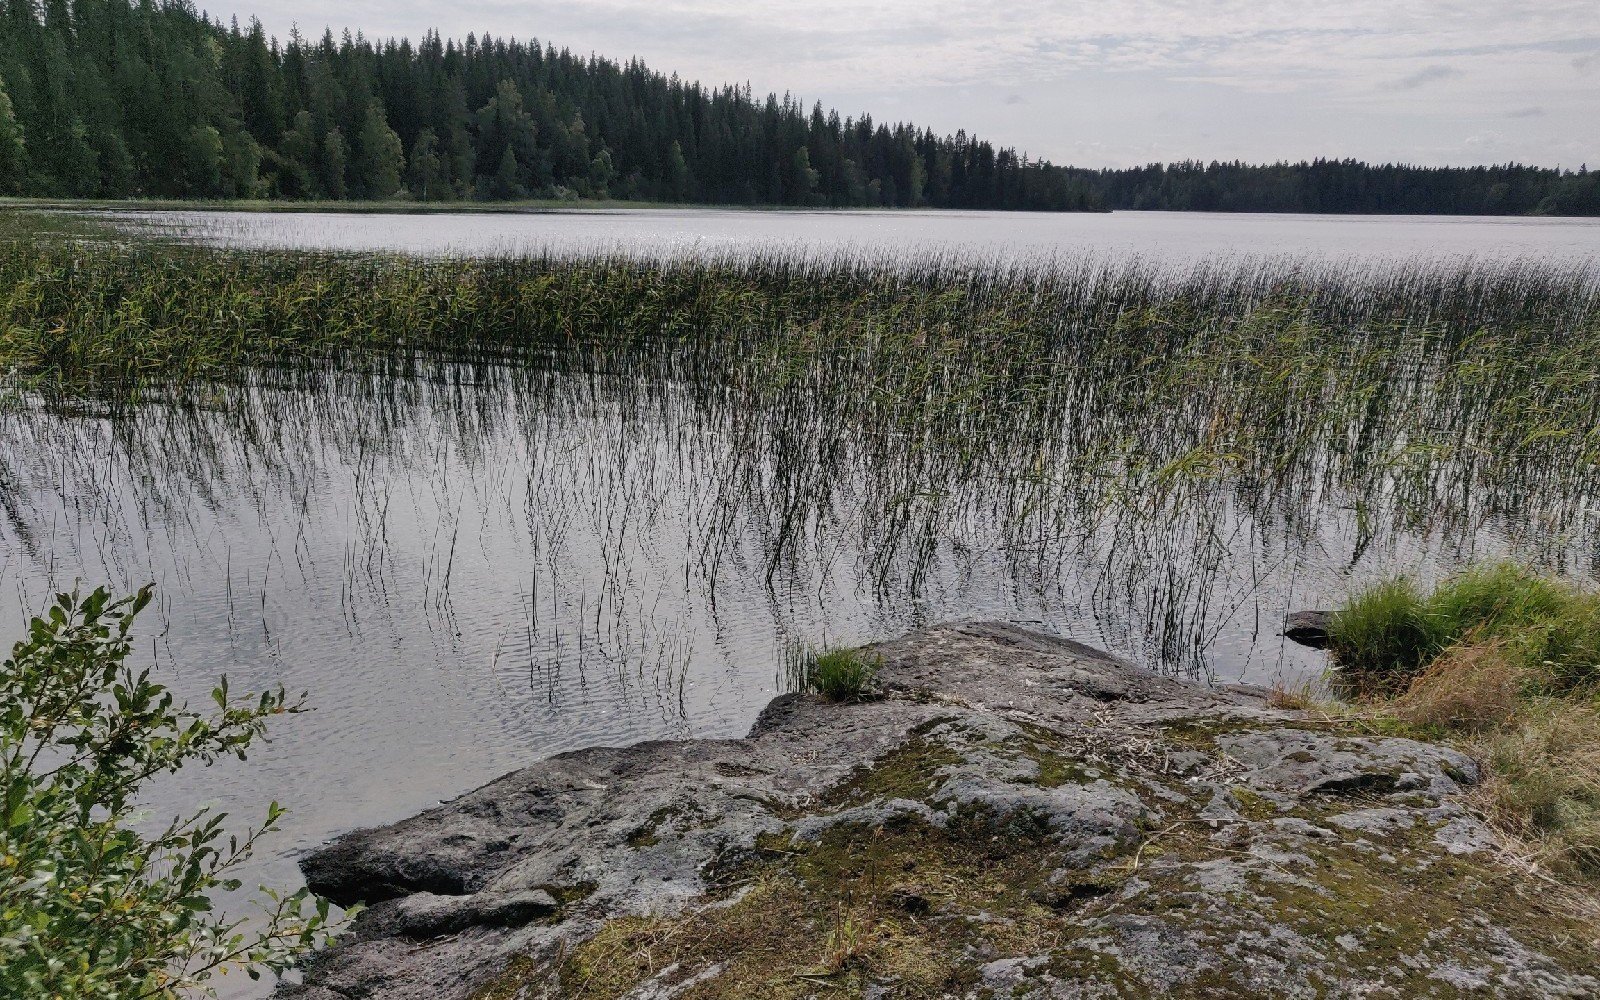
x,y
1160,237
469,573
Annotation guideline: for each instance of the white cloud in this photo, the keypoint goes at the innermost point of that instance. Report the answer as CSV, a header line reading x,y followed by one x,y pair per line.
x,y
1428,74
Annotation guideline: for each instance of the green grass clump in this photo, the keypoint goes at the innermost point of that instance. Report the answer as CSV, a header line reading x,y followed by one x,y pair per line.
x,y
1386,636
841,675
1383,632
1504,664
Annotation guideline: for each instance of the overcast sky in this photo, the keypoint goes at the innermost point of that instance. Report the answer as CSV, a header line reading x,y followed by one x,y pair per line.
x,y
1103,82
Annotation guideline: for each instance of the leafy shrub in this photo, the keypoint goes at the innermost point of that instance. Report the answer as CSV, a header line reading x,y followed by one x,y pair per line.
x,y
90,908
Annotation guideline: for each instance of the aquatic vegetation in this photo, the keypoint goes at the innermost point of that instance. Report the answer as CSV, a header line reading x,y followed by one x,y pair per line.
x,y
1150,424
1271,374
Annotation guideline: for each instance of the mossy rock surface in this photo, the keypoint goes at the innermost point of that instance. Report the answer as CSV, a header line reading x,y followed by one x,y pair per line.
x,y
1019,816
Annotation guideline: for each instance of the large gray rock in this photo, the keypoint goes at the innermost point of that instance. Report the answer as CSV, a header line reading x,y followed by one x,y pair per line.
x,y
1308,628
1017,815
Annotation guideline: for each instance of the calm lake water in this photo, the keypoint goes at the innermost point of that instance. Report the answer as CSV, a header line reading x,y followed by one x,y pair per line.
x,y
471,567
1168,237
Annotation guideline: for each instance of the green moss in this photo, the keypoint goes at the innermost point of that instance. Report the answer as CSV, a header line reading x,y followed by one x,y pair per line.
x,y
572,892
1202,733
1059,763
893,904
648,834
915,910
518,974
913,770
1252,806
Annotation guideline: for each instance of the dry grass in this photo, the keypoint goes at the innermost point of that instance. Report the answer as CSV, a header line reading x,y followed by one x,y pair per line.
x,y
1542,783
1468,688
1539,752
1507,669
1303,696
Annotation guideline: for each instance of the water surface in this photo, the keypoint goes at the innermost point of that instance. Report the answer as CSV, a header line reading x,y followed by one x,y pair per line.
x,y
1180,237
472,565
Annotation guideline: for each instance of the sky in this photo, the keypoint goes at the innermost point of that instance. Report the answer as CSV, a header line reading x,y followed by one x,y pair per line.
x,y
1101,82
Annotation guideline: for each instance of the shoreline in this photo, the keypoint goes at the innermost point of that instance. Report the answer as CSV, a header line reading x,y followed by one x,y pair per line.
x,y
1013,812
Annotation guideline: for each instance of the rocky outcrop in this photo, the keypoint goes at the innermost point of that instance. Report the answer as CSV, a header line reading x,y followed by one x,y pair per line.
x,y
1308,628
1016,816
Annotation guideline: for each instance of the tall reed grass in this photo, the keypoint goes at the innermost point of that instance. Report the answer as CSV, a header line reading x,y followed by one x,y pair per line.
x,y
1274,373
906,401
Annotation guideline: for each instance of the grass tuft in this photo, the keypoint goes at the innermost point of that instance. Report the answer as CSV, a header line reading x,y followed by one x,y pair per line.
x,y
1504,664
1466,689
1388,635
1382,634
842,675
1543,783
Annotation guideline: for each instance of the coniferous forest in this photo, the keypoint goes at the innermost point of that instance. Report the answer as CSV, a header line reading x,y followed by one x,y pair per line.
x,y
149,98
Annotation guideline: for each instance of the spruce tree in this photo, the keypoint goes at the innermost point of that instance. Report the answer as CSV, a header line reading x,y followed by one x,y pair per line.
x,y
678,179
506,182
13,152
379,161
427,175
332,165
105,96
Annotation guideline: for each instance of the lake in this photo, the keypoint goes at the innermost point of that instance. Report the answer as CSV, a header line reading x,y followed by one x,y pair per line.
x,y
470,565
1160,237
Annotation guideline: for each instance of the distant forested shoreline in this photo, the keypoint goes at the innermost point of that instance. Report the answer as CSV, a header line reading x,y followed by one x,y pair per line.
x,y
150,99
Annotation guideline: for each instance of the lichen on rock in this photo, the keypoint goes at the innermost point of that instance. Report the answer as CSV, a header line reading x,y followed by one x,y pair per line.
x,y
1016,816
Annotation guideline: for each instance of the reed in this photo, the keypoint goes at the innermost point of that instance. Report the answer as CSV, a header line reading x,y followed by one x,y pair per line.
x,y
1141,419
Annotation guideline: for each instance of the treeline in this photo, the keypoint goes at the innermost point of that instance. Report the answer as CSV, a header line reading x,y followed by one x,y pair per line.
x,y
109,98
118,98
1348,186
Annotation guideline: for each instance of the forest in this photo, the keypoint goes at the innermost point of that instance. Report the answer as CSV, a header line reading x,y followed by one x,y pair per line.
x,y
1349,186
150,98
